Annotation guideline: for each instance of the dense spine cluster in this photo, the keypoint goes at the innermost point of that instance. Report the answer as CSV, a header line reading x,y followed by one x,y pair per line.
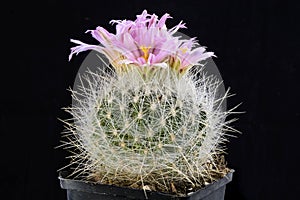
x,y
147,126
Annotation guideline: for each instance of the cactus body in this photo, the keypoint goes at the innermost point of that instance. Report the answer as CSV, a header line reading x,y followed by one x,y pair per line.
x,y
147,125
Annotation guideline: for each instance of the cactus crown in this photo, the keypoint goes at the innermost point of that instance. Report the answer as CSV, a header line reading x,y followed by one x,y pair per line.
x,y
147,125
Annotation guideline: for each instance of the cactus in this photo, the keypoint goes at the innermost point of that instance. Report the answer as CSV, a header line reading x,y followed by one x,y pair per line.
x,y
148,127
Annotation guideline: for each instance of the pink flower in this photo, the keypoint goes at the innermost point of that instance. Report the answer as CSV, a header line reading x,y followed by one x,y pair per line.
x,y
145,42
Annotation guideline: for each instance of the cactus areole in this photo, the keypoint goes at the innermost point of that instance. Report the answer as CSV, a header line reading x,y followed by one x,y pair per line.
x,y
150,120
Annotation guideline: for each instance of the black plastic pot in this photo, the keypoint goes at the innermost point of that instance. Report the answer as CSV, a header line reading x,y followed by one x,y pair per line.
x,y
80,190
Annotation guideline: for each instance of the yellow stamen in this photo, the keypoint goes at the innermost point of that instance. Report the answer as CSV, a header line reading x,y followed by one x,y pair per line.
x,y
145,50
184,50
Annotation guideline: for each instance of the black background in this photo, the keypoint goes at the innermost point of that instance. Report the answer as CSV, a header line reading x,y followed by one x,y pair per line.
x,y
257,46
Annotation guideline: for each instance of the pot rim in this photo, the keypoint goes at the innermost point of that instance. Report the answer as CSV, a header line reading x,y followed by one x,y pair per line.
x,y
98,188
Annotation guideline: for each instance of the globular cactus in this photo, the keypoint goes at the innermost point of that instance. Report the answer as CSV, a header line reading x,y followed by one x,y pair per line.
x,y
146,126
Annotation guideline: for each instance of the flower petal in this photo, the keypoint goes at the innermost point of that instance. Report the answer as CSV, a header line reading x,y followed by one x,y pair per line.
x,y
162,65
152,21
151,58
142,18
175,28
141,60
102,35
196,56
83,47
162,22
